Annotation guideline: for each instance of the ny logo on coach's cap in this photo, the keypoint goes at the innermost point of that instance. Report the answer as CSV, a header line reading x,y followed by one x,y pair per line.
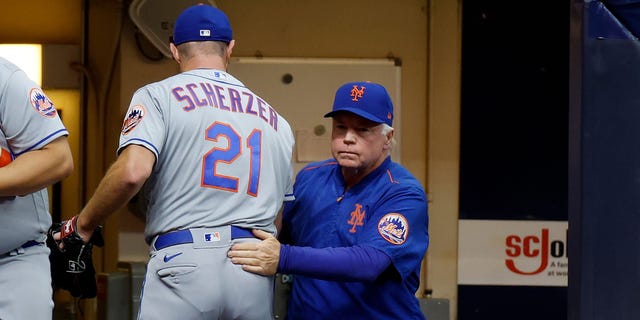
x,y
375,105
357,93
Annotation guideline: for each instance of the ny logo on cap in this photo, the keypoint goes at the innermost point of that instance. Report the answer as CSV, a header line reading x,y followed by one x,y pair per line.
x,y
357,93
205,33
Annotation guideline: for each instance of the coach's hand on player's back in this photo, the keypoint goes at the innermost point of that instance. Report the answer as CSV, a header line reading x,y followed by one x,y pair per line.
x,y
257,257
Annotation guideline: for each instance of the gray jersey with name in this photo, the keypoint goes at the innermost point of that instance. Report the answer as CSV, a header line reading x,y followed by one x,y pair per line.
x,y
28,121
223,154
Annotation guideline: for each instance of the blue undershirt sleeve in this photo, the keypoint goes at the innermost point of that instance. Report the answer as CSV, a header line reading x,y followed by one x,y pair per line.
x,y
357,263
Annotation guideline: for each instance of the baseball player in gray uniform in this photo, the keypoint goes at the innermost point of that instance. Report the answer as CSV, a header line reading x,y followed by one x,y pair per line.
x,y
215,162
34,153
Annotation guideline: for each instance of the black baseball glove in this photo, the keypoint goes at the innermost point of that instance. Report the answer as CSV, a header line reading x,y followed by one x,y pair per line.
x,y
72,267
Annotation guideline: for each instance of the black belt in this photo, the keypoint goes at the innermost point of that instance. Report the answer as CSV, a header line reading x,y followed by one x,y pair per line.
x,y
184,236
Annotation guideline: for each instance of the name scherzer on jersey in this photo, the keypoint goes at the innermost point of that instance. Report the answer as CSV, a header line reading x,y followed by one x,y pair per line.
x,y
223,154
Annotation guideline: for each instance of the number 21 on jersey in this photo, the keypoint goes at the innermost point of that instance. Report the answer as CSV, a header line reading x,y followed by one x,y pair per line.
x,y
216,156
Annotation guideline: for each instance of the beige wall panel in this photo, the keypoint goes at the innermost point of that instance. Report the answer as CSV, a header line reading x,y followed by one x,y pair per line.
x,y
41,21
444,145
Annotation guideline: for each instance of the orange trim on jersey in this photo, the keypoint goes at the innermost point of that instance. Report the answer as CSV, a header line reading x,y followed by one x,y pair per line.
x,y
391,177
251,161
326,164
229,142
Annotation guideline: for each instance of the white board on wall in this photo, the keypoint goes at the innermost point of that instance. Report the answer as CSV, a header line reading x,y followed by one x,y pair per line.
x,y
302,90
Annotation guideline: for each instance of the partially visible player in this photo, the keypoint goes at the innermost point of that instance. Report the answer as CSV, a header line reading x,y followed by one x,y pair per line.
x,y
357,230
34,153
215,161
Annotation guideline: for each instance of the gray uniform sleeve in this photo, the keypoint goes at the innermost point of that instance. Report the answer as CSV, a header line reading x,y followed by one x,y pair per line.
x,y
28,121
144,123
28,118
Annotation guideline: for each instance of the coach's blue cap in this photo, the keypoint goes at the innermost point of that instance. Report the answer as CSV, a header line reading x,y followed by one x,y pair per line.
x,y
366,99
202,22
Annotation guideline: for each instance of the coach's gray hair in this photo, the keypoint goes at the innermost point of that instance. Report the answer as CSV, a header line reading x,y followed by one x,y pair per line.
x,y
385,128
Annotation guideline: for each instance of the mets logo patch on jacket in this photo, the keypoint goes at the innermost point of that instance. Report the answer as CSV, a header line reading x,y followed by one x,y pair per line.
x,y
394,228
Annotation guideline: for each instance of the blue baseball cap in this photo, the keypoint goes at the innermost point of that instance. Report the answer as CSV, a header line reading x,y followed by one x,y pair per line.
x,y
202,22
366,99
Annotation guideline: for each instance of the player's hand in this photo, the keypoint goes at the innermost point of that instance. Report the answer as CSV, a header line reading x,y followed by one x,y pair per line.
x,y
71,259
257,257
69,227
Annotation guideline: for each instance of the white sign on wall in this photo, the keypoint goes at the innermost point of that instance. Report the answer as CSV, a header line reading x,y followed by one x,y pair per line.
x,y
506,252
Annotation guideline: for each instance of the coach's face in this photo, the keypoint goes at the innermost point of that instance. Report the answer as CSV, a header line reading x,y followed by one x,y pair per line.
x,y
358,143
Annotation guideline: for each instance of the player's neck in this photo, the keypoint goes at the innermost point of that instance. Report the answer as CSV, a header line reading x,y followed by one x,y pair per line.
x,y
203,62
